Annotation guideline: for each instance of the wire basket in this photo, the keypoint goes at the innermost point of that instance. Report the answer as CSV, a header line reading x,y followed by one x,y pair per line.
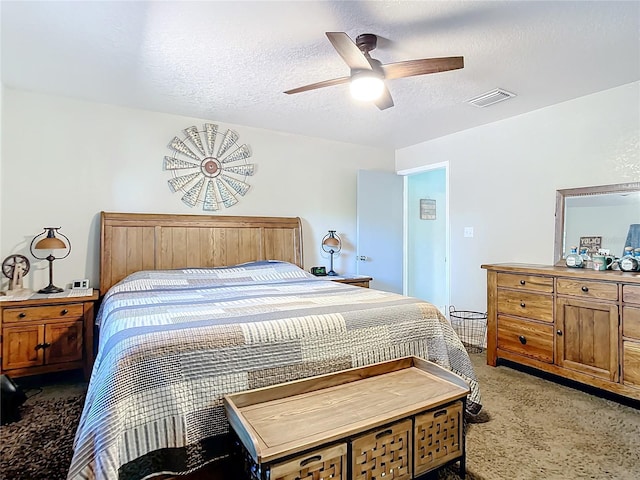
x,y
471,328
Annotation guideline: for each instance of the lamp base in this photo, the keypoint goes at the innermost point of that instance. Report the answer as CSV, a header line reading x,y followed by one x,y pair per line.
x,y
51,289
331,273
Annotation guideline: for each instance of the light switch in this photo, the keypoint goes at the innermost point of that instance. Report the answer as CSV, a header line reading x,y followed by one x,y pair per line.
x,y
468,232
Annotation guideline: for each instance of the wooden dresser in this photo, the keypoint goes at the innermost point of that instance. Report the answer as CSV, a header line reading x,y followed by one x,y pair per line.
x,y
580,324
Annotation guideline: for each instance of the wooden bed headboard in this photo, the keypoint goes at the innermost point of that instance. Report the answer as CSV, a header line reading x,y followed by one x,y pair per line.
x,y
130,242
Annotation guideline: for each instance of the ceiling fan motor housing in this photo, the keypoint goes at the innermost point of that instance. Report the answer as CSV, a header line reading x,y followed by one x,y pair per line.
x,y
366,42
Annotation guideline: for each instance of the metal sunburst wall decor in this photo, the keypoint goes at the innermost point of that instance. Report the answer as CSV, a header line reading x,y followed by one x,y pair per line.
x,y
206,175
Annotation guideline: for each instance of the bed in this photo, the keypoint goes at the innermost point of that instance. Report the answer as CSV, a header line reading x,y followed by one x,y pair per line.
x,y
197,307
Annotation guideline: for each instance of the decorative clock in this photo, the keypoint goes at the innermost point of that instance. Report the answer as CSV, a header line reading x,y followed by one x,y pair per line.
x,y
208,167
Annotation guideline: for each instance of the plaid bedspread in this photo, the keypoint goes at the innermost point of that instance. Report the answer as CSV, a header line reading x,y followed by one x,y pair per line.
x,y
173,343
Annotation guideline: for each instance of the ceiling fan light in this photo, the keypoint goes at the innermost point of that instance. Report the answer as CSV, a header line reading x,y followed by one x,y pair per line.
x,y
366,86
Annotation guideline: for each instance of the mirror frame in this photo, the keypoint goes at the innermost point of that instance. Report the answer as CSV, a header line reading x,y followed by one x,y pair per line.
x,y
561,196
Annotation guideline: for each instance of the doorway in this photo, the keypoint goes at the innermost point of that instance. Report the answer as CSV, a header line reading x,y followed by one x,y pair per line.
x,y
402,241
426,259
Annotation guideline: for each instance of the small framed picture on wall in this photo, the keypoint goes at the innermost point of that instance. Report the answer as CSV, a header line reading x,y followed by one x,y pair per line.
x,y
427,209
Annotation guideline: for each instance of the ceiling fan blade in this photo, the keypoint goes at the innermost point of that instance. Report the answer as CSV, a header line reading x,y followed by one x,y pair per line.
x,y
385,101
423,66
349,51
325,83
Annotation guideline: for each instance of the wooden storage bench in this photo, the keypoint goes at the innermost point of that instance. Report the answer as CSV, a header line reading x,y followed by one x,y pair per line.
x,y
391,420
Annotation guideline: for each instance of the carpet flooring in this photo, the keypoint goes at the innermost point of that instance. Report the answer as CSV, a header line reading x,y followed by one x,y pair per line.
x,y
530,429
545,430
39,445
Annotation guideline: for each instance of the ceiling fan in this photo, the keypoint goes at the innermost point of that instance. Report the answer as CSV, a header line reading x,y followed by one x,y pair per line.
x,y
367,71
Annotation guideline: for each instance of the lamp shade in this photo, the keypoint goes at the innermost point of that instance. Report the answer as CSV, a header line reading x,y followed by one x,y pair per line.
x,y
331,242
50,243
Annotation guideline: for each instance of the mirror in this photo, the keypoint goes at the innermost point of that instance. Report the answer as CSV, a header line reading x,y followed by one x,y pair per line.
x,y
603,213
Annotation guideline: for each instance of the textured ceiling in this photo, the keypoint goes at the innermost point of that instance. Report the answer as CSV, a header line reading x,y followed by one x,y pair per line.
x,y
231,61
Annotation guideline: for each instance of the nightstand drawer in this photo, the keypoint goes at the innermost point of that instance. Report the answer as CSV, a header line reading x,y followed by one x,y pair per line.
x,y
355,280
47,312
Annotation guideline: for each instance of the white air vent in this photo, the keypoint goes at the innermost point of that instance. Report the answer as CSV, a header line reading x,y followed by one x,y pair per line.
x,y
489,98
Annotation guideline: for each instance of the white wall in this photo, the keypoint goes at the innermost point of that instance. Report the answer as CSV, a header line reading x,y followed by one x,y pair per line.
x,y
503,178
64,161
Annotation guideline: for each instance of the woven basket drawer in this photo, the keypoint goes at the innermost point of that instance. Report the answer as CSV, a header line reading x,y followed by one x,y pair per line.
x,y
326,463
383,454
437,437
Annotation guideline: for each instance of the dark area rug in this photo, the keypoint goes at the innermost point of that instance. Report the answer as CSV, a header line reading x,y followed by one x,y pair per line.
x,y
40,444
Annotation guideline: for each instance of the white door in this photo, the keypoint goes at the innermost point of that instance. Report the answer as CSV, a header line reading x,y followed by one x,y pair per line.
x,y
380,226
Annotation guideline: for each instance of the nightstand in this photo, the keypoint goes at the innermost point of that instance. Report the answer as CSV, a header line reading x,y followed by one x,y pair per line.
x,y
356,280
42,335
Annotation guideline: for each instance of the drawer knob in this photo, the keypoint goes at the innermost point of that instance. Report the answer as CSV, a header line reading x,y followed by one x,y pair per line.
x,y
559,332
585,289
64,311
306,461
22,315
523,339
522,304
46,345
522,282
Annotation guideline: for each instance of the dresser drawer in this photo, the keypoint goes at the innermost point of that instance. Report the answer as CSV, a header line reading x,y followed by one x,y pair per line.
x,y
531,339
587,289
631,294
525,304
328,462
631,363
631,322
74,310
526,282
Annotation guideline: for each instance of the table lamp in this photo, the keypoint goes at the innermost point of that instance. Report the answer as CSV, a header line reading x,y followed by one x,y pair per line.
x,y
47,240
331,244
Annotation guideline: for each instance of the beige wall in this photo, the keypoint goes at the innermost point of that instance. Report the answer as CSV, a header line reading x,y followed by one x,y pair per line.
x,y
503,178
64,161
